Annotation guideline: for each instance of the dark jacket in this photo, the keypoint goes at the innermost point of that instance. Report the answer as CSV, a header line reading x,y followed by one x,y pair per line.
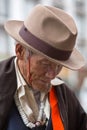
x,y
72,114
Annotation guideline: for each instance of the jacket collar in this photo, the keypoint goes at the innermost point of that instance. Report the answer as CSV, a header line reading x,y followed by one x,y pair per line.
x,y
56,81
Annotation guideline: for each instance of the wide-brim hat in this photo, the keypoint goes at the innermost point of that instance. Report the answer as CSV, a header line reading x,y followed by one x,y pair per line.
x,y
50,32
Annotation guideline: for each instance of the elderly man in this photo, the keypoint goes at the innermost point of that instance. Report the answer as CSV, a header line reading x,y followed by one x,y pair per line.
x,y
31,94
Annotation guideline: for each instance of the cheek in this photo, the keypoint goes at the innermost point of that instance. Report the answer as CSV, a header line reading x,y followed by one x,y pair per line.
x,y
37,70
27,69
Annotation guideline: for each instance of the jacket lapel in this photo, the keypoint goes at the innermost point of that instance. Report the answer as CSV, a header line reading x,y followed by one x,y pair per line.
x,y
62,106
7,88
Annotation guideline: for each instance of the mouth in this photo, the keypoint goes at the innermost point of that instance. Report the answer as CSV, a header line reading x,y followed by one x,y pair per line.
x,y
41,84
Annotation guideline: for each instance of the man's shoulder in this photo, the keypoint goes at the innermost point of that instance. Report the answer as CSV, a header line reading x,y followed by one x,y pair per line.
x,y
7,60
6,64
7,75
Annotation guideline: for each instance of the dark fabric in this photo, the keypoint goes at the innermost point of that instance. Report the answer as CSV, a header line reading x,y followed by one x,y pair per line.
x,y
15,121
8,86
71,112
49,126
39,128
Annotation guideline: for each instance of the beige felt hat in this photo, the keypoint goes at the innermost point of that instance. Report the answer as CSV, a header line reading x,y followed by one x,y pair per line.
x,y
51,32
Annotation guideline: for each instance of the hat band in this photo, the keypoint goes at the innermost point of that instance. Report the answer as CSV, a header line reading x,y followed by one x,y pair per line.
x,y
42,46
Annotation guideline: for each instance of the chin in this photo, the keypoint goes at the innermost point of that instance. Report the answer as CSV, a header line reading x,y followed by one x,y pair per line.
x,y
41,87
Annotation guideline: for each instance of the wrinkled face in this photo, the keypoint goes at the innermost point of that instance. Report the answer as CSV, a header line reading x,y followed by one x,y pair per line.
x,y
39,71
42,72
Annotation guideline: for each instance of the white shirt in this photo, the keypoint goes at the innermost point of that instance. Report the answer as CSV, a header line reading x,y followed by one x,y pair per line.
x,y
25,100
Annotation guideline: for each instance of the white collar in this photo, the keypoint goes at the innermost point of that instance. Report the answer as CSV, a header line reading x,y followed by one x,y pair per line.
x,y
56,81
19,75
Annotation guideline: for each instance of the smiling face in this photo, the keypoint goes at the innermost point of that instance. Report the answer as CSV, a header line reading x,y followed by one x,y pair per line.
x,y
38,71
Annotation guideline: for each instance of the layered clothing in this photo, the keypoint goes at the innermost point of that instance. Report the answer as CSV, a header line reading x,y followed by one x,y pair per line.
x,y
71,113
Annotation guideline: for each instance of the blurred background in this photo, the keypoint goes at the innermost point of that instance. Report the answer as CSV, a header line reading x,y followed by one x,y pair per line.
x,y
19,9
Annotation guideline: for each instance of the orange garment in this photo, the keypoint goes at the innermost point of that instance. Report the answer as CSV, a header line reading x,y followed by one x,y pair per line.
x,y
55,115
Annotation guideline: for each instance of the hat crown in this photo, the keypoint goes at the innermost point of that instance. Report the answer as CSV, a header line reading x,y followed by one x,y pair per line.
x,y
50,32
53,26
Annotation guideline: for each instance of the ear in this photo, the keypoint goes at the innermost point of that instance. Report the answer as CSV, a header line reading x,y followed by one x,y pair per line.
x,y
19,51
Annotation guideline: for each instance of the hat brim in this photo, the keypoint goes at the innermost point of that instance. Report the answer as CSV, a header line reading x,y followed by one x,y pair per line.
x,y
75,61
